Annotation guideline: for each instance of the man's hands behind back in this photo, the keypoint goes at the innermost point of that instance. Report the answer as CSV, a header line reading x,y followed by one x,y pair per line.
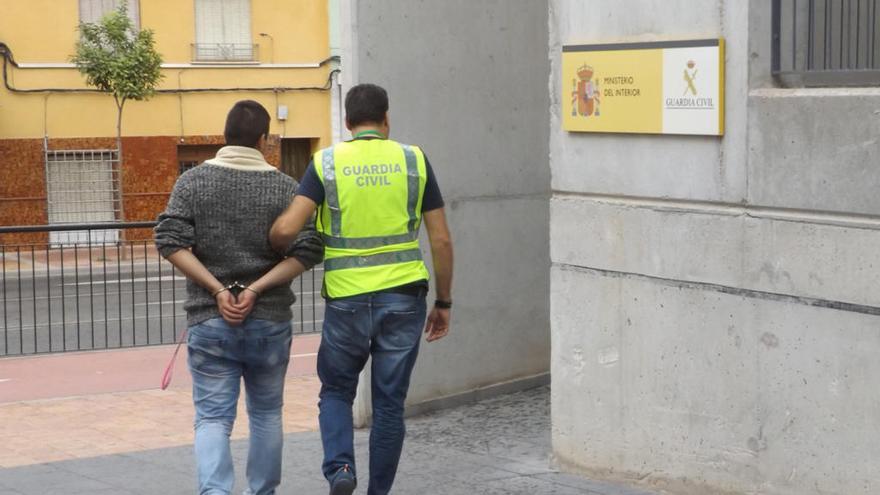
x,y
245,301
235,309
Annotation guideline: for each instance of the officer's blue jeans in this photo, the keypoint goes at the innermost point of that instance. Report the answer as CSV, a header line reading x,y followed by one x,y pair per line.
x,y
219,357
388,327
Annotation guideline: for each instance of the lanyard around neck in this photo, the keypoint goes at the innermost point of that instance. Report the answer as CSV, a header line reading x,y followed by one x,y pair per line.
x,y
369,133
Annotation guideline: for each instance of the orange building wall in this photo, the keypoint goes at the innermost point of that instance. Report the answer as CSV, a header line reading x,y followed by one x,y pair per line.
x,y
149,170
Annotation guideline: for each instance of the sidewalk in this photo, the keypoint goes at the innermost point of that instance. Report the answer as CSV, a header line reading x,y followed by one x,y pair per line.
x,y
139,442
60,407
26,259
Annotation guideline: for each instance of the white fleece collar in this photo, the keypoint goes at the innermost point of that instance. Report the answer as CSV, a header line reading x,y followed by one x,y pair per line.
x,y
241,158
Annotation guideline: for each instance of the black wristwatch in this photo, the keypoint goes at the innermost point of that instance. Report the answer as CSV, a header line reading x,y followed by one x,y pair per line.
x,y
439,303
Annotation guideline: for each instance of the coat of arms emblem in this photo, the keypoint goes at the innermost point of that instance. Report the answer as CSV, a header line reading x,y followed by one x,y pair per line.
x,y
585,93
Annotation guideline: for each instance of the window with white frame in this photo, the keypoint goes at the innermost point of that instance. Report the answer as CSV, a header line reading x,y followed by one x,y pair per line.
x,y
93,10
223,31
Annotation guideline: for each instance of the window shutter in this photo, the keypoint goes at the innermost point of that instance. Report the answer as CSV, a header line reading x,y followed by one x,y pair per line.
x,y
134,12
93,10
237,21
223,30
89,11
209,22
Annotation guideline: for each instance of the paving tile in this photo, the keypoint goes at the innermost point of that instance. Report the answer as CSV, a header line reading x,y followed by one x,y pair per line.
x,y
54,480
79,427
597,487
500,446
527,486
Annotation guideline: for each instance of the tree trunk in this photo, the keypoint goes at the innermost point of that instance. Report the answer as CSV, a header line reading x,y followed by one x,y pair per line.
x,y
119,106
118,171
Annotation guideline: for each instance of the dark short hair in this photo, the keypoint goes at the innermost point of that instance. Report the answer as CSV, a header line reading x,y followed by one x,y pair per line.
x,y
246,123
366,104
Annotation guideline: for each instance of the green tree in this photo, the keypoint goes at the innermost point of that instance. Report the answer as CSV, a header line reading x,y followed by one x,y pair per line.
x,y
118,59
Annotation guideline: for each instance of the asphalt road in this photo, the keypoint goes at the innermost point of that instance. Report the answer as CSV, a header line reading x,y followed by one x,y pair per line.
x,y
118,307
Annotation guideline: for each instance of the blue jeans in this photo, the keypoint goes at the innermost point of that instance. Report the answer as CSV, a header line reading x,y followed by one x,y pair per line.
x,y
219,356
387,326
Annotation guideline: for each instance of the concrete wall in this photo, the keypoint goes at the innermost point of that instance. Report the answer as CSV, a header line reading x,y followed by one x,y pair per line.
x,y
715,306
468,82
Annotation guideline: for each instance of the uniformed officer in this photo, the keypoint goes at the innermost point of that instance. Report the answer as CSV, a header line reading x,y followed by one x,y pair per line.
x,y
371,196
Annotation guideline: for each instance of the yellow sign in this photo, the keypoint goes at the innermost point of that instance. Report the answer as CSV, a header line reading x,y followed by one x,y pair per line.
x,y
670,87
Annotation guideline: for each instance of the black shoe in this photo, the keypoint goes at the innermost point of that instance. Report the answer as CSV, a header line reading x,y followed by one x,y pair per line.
x,y
343,482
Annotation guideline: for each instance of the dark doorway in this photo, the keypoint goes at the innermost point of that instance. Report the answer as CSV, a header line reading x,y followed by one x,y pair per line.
x,y
295,156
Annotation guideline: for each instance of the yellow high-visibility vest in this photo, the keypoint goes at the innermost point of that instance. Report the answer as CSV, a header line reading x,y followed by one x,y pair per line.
x,y
371,214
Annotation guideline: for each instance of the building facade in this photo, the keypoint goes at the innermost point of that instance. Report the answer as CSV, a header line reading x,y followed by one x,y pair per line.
x,y
715,310
57,144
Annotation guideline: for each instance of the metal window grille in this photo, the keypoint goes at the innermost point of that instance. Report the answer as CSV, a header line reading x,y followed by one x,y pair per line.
x,y
826,42
191,155
184,165
83,187
225,52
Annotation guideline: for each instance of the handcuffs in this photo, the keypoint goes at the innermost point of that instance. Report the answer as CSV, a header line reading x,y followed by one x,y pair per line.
x,y
235,288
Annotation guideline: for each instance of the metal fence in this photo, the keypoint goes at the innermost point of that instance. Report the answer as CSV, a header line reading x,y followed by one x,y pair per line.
x,y
100,295
826,42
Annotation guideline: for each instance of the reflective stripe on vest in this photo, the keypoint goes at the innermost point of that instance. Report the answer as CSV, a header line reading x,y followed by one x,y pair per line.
x,y
374,260
331,193
369,242
412,174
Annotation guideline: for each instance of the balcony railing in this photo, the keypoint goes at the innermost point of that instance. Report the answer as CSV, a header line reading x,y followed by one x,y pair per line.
x,y
826,42
225,52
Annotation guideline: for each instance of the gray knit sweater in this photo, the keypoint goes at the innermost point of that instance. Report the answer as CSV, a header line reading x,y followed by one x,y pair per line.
x,y
223,210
